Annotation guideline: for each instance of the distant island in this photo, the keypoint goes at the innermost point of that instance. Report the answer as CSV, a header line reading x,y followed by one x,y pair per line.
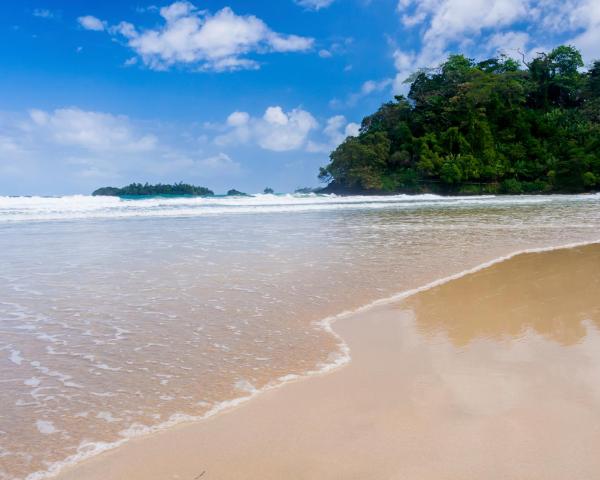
x,y
137,189
495,126
236,193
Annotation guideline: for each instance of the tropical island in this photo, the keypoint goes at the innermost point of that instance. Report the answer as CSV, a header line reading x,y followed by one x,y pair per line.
x,y
466,127
138,189
236,193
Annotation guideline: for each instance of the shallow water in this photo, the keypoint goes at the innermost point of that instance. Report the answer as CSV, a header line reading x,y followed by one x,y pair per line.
x,y
120,315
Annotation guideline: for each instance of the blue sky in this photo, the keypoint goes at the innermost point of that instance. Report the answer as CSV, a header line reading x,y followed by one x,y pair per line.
x,y
243,94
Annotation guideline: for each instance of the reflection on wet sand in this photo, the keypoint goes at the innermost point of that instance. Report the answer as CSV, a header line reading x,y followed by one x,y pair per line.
x,y
510,298
494,376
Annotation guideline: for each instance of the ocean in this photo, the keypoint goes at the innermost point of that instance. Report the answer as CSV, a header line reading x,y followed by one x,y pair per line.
x,y
119,317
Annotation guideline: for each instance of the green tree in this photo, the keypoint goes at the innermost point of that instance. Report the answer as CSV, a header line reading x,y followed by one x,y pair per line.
x,y
503,125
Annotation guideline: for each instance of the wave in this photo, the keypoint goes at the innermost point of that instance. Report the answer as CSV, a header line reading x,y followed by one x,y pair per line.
x,y
79,207
337,360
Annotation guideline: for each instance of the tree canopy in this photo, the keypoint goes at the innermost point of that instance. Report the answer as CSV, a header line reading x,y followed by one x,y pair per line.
x,y
497,125
137,189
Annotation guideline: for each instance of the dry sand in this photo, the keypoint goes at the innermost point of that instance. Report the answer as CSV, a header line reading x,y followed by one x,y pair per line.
x,y
492,376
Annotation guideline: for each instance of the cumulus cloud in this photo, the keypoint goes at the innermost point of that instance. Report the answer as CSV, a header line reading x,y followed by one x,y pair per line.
x,y
238,119
453,23
451,20
90,22
585,17
218,42
336,130
314,4
276,130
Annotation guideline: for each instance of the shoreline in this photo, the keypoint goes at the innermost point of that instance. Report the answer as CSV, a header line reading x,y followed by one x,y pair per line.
x,y
342,358
94,208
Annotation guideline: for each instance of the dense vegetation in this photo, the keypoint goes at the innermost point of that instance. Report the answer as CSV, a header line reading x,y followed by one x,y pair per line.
x,y
236,193
492,126
137,189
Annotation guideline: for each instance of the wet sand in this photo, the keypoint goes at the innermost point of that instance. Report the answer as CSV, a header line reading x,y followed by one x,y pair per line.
x,y
495,375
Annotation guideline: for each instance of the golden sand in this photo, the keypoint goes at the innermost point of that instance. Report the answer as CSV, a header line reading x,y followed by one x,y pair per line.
x,y
492,376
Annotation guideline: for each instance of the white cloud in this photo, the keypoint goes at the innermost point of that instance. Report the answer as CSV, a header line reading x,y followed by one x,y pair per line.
x,y
314,4
461,25
237,119
218,42
43,13
95,131
450,20
216,165
406,64
585,16
338,47
367,88
276,130
80,150
487,27
8,146
352,130
509,43
371,86
90,22
336,130
219,164
279,131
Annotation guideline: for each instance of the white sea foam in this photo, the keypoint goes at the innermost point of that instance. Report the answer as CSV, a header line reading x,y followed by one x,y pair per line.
x,y
244,386
32,382
19,209
45,427
107,417
15,357
337,360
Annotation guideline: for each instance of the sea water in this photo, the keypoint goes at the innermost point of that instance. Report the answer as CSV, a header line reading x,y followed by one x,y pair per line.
x,y
119,317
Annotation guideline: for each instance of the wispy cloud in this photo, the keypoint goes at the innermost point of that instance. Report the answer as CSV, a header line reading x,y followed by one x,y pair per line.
x,y
314,4
44,13
85,147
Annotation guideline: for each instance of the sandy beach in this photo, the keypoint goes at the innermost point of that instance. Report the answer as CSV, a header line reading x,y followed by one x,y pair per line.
x,y
494,375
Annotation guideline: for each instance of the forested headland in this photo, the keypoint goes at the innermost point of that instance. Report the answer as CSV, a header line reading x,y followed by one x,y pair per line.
x,y
493,126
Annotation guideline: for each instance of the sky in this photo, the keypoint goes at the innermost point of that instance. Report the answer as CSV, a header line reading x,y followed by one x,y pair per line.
x,y
242,94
